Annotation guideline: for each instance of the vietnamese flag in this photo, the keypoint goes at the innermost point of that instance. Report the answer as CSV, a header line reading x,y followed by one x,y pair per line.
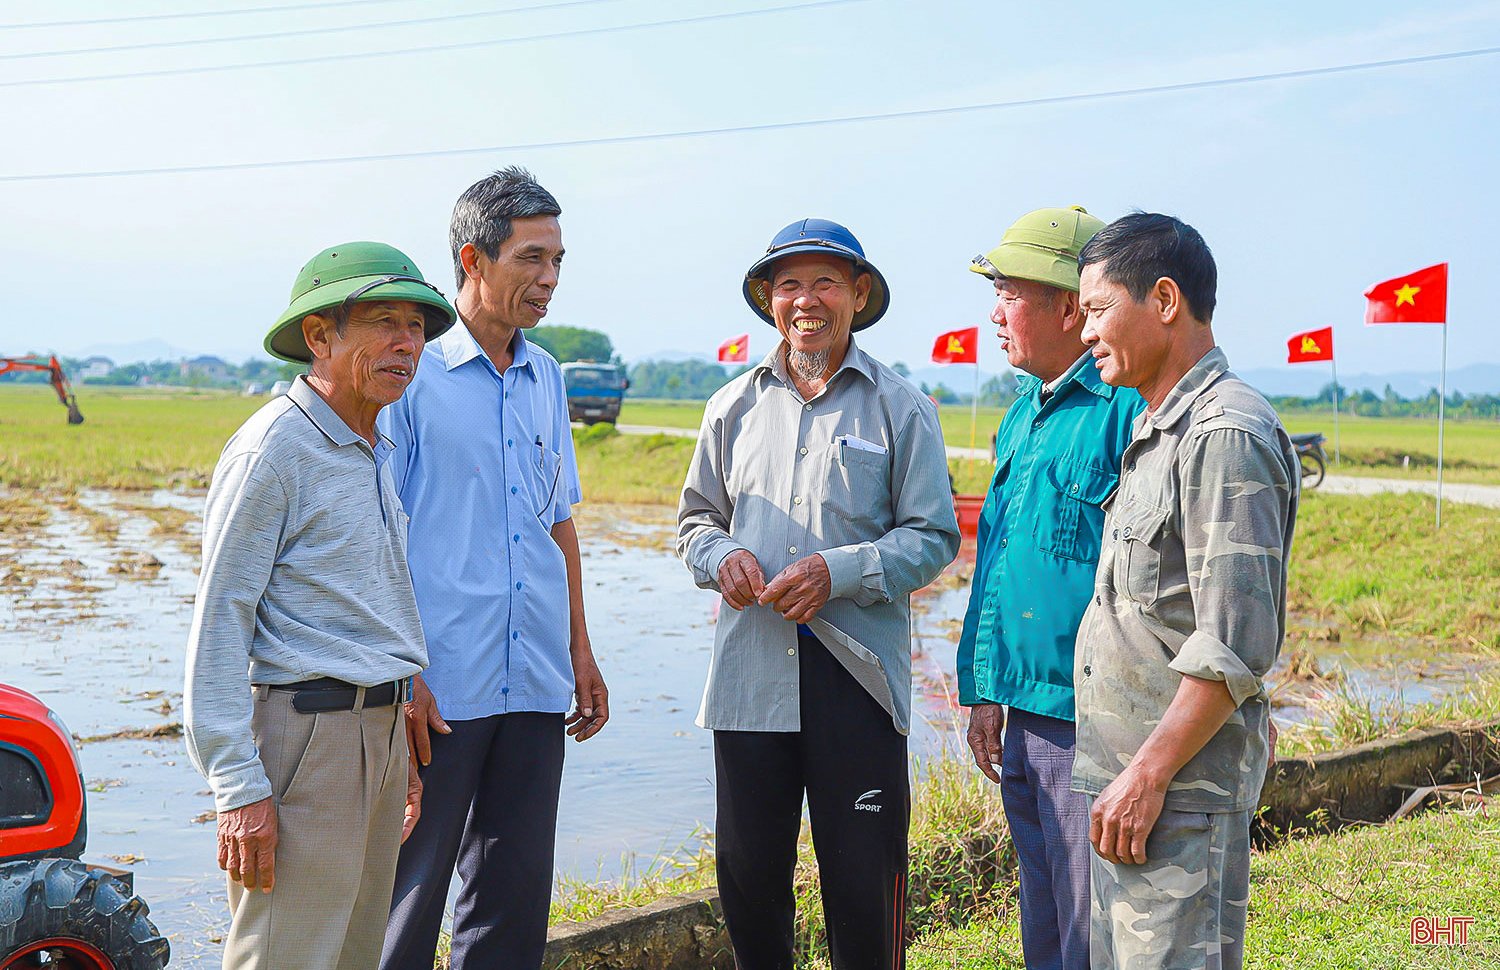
x,y
735,350
1420,297
957,347
1312,345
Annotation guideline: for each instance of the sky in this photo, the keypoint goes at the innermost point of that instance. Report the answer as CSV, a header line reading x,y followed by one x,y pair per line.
x,y
1308,190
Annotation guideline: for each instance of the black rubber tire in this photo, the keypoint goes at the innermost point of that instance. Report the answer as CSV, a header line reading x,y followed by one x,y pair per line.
x,y
66,898
1313,469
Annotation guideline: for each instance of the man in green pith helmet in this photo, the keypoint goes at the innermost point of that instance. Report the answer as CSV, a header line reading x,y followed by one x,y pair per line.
x,y
305,635
1058,457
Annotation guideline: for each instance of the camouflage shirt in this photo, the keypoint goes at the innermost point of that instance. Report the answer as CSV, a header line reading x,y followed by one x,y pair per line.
x,y
1191,580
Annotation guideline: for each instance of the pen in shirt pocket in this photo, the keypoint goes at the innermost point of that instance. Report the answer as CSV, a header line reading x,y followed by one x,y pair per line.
x,y
541,453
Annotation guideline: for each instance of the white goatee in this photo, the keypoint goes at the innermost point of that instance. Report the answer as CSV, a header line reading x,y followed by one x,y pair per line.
x,y
809,367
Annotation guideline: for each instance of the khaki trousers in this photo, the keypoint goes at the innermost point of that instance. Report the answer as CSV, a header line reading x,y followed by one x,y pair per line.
x,y
339,780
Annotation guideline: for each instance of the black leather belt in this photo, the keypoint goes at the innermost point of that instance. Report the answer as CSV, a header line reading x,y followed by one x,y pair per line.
x,y
332,694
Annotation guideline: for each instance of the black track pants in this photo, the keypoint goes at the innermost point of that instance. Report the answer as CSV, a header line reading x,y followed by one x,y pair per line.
x,y
850,762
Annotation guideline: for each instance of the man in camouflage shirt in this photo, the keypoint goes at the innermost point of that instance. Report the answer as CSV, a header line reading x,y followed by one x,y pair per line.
x,y
1188,614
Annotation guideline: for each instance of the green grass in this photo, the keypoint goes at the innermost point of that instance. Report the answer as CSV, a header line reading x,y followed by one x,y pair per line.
x,y
1375,446
1332,902
1374,565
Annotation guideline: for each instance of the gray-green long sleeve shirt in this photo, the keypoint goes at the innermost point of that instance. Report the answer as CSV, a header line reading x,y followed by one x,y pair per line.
x,y
304,576
859,474
1191,581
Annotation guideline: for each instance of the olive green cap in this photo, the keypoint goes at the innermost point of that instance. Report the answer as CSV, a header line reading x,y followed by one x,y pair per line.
x,y
356,272
1041,246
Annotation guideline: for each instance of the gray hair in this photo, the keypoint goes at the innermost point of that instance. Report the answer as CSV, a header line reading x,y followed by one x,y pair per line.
x,y
483,213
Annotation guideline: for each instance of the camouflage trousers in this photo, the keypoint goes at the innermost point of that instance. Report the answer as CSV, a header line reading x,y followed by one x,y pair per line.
x,y
1184,909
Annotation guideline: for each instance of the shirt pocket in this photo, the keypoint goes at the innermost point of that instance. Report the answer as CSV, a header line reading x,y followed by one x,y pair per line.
x,y
543,480
859,487
1078,490
1140,530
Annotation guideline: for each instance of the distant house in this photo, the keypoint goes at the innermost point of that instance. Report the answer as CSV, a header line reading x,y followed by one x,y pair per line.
x,y
206,368
93,367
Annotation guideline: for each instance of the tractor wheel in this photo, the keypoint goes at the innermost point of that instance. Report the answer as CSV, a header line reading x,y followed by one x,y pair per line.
x,y
60,914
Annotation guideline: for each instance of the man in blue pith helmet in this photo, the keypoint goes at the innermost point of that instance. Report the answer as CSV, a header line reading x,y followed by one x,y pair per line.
x,y
816,502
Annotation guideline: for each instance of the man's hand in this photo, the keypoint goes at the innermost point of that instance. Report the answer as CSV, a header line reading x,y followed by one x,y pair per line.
x,y
247,844
1123,816
740,579
413,799
985,723
592,712
799,591
421,716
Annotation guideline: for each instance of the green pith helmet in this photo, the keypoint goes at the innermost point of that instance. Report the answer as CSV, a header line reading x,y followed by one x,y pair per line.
x,y
1041,246
356,272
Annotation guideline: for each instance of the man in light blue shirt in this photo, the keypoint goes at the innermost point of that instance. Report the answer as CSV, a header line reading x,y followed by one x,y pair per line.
x,y
485,468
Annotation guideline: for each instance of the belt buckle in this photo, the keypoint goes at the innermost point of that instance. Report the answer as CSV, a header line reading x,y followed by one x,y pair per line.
x,y
404,690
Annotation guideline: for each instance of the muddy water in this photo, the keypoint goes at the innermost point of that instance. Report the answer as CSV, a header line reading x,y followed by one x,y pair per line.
x,y
95,608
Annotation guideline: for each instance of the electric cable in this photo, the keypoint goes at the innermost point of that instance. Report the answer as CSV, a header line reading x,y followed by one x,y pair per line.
x,y
645,137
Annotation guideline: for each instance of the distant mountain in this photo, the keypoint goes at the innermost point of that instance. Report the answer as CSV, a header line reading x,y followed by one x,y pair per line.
x,y
1308,380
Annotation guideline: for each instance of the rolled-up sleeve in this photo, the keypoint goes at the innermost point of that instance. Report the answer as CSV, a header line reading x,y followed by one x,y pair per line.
x,y
244,524
924,537
1234,524
705,509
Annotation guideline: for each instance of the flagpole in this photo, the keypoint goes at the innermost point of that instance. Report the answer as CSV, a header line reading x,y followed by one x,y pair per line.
x,y
974,402
1442,400
1335,363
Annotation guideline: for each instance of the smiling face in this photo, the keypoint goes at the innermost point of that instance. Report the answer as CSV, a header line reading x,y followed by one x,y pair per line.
x,y
814,299
1129,340
373,361
514,288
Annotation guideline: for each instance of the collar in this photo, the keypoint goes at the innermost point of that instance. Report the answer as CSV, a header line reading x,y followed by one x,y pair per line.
x,y
325,418
854,359
1082,372
458,347
1181,397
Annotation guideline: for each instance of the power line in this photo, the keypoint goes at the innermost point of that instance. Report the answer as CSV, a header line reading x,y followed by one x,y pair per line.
x,y
192,15
773,126
304,32
457,45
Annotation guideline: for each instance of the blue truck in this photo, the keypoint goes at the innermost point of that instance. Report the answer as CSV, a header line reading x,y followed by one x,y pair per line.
x,y
595,391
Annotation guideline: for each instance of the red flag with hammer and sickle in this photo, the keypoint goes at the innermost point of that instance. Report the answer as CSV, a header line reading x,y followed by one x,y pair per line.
x,y
1312,345
957,347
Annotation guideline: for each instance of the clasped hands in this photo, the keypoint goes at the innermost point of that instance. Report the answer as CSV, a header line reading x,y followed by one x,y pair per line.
x,y
798,592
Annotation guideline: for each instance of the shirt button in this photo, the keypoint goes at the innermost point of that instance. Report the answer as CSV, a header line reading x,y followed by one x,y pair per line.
x,y
792,550
510,442
1117,534
802,451
1075,488
1004,543
791,651
796,500
1087,670
516,537
505,690
518,586
807,407
512,490
515,635
1098,599
1126,533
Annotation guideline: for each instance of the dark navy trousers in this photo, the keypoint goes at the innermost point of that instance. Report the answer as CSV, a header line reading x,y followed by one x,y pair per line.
x,y
1049,824
489,804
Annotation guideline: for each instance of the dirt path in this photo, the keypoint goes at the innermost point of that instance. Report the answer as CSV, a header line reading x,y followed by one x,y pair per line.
x,y
1488,495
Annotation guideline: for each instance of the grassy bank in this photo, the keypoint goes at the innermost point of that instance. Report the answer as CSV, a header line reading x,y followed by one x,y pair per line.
x,y
1324,903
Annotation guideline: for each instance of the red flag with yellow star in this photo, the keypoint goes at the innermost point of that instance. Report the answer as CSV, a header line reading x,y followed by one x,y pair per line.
x,y
735,350
957,347
1420,297
1312,345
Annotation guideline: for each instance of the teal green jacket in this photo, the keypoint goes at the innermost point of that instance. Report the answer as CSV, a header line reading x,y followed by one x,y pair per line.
x,y
1039,541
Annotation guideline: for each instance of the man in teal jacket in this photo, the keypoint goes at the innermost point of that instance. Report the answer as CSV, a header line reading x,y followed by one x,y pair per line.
x,y
1057,459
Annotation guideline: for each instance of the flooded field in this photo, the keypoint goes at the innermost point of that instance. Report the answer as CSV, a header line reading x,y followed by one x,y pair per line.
x,y
96,598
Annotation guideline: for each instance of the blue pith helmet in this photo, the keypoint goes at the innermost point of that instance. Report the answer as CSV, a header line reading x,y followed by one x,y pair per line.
x,y
815,236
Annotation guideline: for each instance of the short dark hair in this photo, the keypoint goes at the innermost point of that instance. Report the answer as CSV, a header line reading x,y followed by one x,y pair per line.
x,y
483,213
1138,249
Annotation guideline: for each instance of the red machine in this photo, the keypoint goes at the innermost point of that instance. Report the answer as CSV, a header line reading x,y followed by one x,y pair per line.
x,y
55,911
53,369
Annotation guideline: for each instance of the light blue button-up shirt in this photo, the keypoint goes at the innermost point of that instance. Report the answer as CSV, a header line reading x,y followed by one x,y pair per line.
x,y
485,468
